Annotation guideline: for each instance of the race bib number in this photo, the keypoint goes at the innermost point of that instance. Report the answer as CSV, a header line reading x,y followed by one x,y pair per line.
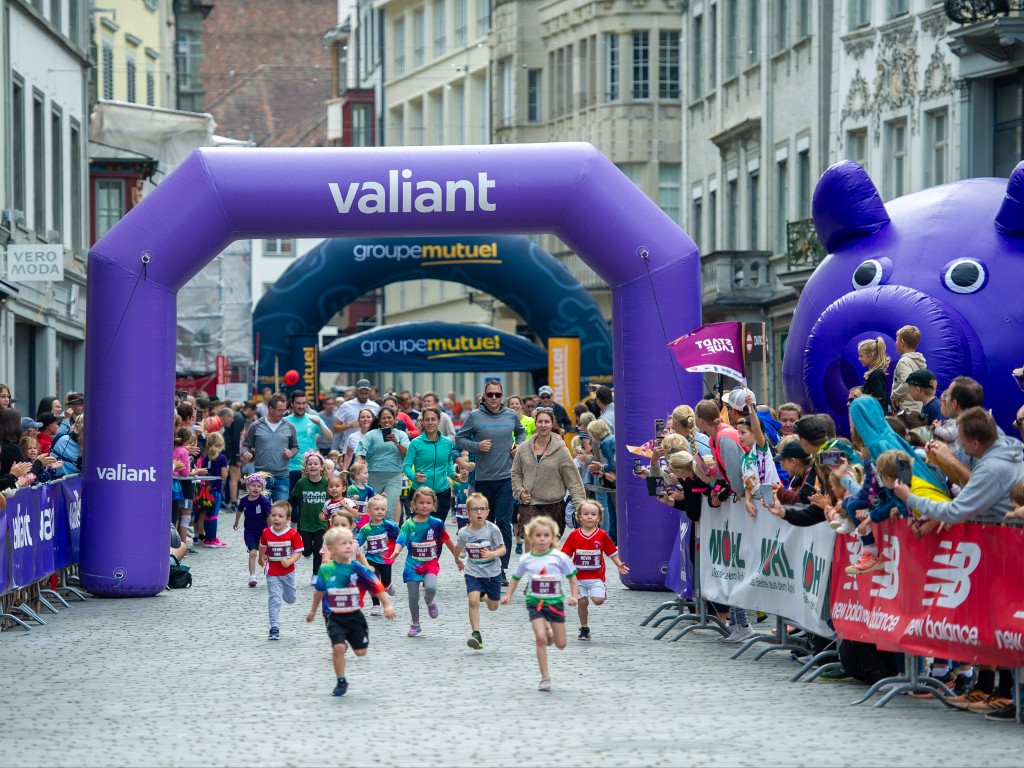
x,y
546,586
587,559
424,550
343,599
279,550
460,511
473,549
360,507
406,483
377,544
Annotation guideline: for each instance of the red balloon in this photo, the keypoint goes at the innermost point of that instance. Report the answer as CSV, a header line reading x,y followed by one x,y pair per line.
x,y
291,378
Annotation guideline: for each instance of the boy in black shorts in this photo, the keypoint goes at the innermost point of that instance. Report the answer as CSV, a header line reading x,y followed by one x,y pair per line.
x,y
484,547
340,586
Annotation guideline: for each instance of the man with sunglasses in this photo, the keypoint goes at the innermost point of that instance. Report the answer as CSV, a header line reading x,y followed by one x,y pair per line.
x,y
491,432
547,400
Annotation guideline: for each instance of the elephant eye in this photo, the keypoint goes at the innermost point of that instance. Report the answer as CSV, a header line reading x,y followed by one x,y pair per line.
x,y
964,276
868,274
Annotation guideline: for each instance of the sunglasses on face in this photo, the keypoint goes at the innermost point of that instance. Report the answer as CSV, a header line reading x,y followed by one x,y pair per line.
x,y
492,394
544,410
545,397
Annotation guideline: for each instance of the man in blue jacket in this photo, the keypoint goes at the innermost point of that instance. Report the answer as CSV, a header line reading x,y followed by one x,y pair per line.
x,y
492,432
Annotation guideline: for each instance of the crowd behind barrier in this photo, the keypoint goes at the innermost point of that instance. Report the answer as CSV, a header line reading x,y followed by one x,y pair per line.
x,y
39,537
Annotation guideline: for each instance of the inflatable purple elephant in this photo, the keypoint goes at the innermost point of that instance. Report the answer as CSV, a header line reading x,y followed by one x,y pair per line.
x,y
949,260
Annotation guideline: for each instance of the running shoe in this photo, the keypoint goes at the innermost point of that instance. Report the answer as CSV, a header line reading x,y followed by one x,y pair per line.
x,y
963,684
376,611
252,581
969,698
218,544
433,610
414,629
475,641
275,634
545,684
867,563
519,547
341,688
739,634
1007,714
584,633
992,704
391,589
312,580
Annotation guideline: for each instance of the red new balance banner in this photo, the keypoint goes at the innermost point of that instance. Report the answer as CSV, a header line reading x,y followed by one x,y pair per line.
x,y
715,348
956,595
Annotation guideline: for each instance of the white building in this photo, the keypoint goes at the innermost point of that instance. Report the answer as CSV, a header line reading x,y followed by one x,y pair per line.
x,y
45,202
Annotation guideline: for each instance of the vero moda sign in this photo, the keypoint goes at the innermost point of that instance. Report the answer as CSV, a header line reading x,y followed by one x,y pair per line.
x,y
714,348
955,595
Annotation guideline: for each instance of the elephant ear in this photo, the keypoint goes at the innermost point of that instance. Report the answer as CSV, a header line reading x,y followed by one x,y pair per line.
x,y
846,206
1010,219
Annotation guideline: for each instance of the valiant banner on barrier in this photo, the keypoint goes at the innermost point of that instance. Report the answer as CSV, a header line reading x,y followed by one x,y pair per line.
x,y
955,595
3,549
765,563
43,525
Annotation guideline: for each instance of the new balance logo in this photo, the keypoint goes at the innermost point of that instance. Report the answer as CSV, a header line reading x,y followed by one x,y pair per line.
x,y
887,583
953,583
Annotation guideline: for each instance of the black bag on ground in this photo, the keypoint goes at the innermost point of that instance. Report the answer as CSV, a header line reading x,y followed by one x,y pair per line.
x,y
179,577
865,662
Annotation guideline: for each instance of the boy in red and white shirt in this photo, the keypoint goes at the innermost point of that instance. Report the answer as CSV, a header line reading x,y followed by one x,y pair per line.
x,y
587,546
280,548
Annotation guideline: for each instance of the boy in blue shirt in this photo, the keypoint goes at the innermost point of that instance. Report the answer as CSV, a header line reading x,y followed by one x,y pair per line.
x,y
340,586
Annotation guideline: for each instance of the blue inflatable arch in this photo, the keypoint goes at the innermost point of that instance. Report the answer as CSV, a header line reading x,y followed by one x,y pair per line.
x,y
427,347
221,195
528,279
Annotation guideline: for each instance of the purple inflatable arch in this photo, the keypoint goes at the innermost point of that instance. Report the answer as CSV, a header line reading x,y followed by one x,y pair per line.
x,y
221,195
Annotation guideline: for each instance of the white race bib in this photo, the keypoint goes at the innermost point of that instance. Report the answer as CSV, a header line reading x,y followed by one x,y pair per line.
x,y
424,550
587,559
546,586
460,511
343,599
279,550
377,543
473,550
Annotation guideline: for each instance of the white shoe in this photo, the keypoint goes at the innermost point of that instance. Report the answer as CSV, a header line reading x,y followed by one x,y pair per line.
x,y
312,581
739,634
845,526
376,611
252,580
391,589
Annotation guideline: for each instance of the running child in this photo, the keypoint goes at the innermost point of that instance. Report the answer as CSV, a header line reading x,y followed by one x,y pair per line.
x,y
423,534
336,499
309,496
209,495
280,548
339,590
346,519
484,547
545,568
377,538
255,505
587,546
358,490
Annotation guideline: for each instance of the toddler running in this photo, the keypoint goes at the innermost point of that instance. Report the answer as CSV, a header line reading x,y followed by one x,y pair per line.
x,y
309,496
484,547
377,538
280,549
587,546
256,508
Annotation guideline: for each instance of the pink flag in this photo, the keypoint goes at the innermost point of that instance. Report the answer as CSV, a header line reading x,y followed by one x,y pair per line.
x,y
715,348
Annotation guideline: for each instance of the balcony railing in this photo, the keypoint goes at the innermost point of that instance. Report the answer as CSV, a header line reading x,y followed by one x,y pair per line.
x,y
803,249
972,11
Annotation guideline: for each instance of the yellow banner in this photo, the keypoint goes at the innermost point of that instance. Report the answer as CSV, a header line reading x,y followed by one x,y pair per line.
x,y
564,369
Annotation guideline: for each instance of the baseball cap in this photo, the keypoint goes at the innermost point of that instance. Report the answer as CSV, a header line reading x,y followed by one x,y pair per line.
x,y
28,423
792,450
811,428
545,390
921,378
363,384
737,398
46,420
75,398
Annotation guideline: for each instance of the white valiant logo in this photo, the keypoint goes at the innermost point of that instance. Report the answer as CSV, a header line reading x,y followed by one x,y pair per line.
x,y
953,583
126,473
424,196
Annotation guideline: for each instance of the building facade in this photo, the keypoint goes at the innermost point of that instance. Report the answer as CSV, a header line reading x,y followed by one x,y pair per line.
x,y
42,324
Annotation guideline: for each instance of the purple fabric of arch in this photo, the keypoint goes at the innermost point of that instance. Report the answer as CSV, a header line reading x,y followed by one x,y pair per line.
x,y
221,195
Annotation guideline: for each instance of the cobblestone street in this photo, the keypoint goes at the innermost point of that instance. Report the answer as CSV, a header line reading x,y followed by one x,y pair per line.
x,y
188,678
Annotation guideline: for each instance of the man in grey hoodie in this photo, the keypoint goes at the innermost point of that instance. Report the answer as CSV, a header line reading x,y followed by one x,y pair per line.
x,y
998,464
271,442
492,432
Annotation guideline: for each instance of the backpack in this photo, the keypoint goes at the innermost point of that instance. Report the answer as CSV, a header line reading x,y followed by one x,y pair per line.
x,y
179,576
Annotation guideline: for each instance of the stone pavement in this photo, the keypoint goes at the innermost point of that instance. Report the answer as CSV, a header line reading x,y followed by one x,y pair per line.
x,y
188,678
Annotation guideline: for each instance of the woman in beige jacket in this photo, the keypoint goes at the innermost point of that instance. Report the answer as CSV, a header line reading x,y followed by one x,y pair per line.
x,y
543,471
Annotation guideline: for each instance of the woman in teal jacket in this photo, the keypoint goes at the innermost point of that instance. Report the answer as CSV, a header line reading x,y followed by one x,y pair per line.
x,y
429,460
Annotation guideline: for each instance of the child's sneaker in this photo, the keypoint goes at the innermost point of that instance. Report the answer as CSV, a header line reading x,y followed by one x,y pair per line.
x,y
312,580
867,563
519,547
275,634
391,589
341,688
475,641
433,610
218,543
376,611
414,629
584,633
545,684
252,580
209,544
843,526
